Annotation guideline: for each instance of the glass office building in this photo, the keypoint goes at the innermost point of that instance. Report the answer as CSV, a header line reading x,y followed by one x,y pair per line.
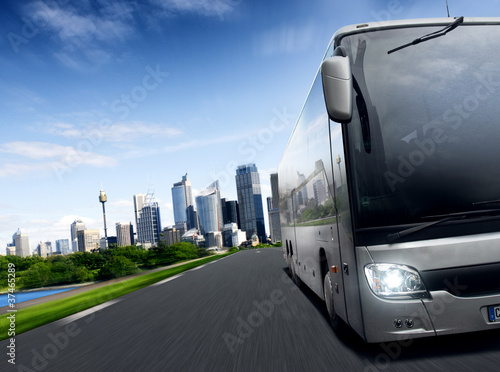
x,y
250,201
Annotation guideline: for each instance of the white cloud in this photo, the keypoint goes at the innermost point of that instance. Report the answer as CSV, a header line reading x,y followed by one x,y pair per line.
x,y
84,32
46,157
284,40
33,150
202,7
118,132
77,26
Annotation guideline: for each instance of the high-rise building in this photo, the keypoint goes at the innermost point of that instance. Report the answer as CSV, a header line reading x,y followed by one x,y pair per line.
x,y
132,239
10,250
88,240
192,218
22,244
41,249
76,226
230,211
172,234
250,201
214,239
274,210
209,209
238,237
105,243
62,246
50,250
139,201
149,222
124,234
182,198
227,234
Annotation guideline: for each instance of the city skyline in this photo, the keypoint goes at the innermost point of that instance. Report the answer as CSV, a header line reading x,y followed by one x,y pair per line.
x,y
133,94
139,202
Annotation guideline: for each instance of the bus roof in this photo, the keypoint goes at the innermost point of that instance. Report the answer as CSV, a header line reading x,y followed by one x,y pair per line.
x,y
373,26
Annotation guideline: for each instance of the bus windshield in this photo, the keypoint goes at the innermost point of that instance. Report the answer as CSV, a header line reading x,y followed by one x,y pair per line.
x,y
424,139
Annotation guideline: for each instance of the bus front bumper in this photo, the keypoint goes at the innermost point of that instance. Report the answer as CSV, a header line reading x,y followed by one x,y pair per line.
x,y
440,314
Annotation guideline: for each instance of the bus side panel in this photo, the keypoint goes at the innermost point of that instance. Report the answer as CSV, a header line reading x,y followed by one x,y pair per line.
x,y
345,231
307,198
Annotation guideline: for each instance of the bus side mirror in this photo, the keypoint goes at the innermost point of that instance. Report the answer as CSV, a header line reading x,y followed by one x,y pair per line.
x,y
337,87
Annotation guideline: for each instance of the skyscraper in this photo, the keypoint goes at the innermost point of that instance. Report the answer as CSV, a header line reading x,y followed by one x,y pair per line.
x,y
182,198
274,210
124,234
41,249
139,201
22,244
62,246
192,218
88,240
172,235
250,201
230,212
209,209
76,226
149,221
50,250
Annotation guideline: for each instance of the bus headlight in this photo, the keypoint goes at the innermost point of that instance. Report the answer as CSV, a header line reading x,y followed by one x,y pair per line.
x,y
395,281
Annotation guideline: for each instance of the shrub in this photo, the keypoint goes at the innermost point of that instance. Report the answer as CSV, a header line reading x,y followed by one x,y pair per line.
x,y
116,267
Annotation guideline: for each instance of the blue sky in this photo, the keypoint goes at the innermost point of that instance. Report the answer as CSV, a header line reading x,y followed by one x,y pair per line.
x,y
134,94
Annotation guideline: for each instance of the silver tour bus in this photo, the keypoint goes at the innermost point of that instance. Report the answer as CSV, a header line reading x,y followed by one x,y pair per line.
x,y
390,183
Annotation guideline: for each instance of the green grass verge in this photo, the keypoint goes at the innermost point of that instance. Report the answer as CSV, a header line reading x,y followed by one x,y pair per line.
x,y
38,315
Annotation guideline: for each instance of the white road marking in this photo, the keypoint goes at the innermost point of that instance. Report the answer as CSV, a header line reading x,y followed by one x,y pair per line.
x,y
167,280
198,267
81,314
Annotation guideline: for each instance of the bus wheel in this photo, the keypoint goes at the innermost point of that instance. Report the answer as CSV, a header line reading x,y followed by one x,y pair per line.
x,y
335,321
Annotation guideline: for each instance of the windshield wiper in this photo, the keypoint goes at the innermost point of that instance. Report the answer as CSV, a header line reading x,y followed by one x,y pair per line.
x,y
430,36
442,218
487,202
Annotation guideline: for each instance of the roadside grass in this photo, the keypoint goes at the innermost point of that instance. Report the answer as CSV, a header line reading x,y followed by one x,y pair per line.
x,y
38,315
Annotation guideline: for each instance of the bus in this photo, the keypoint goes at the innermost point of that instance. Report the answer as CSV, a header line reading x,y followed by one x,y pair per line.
x,y
390,182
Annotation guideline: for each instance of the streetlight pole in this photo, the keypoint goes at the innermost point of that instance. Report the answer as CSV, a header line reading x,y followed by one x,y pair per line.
x,y
103,199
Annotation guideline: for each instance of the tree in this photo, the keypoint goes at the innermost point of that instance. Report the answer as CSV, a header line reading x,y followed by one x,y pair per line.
x,y
81,274
91,261
61,271
131,252
37,275
116,267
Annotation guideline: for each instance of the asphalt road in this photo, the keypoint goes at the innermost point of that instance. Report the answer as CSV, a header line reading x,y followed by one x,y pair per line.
x,y
241,313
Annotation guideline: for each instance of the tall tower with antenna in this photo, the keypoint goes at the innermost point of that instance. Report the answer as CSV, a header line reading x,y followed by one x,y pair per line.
x,y
149,222
103,199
